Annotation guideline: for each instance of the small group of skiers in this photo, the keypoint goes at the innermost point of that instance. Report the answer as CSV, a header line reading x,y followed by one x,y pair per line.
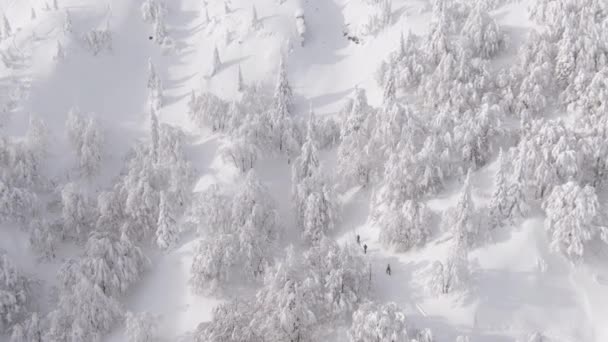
x,y
388,266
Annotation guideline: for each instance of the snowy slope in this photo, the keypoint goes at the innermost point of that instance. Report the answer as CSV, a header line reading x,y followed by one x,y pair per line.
x,y
510,298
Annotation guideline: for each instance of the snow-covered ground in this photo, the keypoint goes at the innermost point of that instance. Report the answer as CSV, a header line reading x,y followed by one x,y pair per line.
x,y
509,297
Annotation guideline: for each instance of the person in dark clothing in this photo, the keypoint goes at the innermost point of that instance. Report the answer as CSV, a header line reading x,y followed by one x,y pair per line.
x,y
388,269
358,239
365,249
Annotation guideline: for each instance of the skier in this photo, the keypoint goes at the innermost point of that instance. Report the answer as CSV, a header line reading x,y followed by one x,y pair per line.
x,y
364,249
358,240
388,269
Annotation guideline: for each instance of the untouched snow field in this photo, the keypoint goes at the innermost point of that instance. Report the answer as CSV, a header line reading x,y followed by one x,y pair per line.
x,y
509,297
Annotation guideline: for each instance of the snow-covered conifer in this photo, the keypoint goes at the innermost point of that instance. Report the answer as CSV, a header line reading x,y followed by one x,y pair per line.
x,y
76,212
67,23
33,14
239,81
55,5
256,23
500,204
160,30
167,229
481,33
462,219
6,31
43,238
281,124
216,62
354,160
59,54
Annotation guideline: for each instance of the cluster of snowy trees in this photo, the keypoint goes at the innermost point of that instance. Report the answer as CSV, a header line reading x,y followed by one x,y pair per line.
x,y
142,207
373,322
300,295
316,210
260,123
86,138
240,235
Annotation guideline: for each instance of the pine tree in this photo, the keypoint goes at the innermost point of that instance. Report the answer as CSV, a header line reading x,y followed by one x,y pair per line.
x,y
255,21
216,62
154,132
166,231
75,212
240,84
281,115
60,54
462,219
6,27
67,24
500,203
33,14
160,30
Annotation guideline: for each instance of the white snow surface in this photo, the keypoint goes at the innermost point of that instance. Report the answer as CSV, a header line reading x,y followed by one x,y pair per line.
x,y
510,298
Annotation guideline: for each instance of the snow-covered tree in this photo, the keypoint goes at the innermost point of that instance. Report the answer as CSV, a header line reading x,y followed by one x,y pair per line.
x,y
378,323
150,10
55,5
76,212
462,220
500,204
59,54
240,85
242,237
33,14
155,87
211,210
160,30
87,139
6,31
451,275
14,293
98,40
43,238
405,227
141,327
84,314
241,153
112,263
67,23
256,23
216,62
167,230
354,159
319,214
91,149
481,33
281,115
208,109
213,262
30,330
571,221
